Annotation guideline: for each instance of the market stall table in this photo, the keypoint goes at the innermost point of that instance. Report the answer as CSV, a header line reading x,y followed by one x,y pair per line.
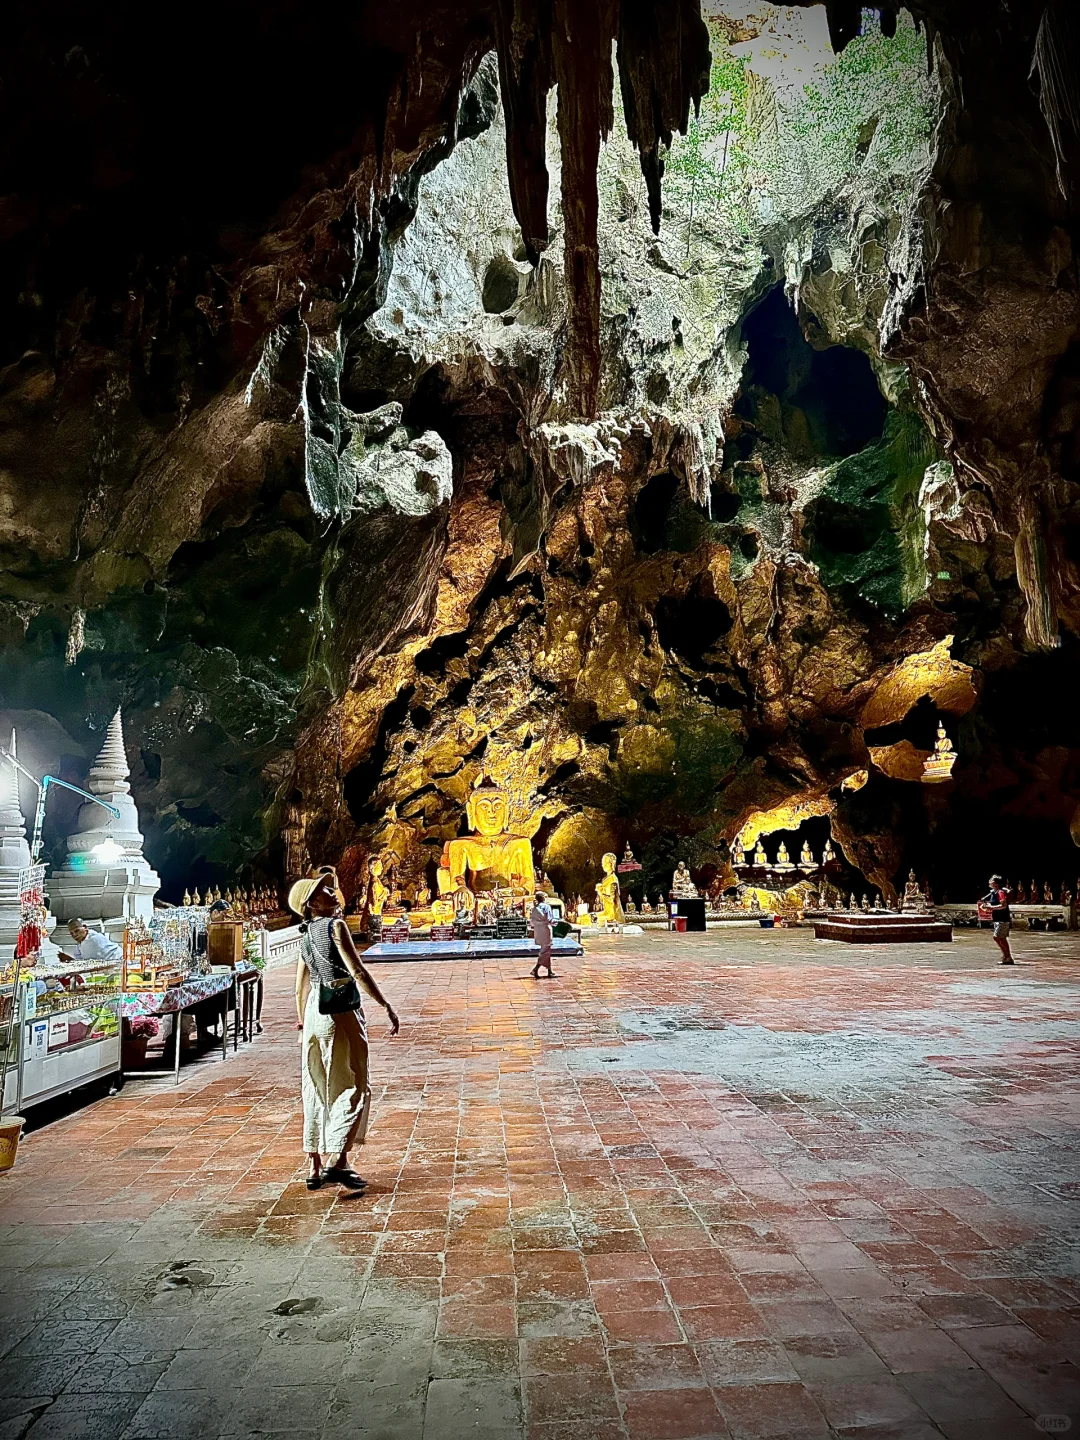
x,y
176,1000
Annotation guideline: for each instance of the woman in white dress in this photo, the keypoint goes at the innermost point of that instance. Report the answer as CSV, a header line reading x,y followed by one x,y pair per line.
x,y
334,1047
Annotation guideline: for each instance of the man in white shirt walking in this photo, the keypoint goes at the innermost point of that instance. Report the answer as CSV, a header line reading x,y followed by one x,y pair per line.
x,y
541,920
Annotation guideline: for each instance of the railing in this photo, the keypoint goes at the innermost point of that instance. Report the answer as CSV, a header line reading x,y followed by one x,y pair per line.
x,y
280,947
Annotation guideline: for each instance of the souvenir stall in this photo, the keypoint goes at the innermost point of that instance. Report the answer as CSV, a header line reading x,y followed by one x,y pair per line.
x,y
59,1020
168,974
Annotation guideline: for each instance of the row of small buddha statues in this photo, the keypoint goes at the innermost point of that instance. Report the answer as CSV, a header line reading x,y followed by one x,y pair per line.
x,y
783,861
1045,894
258,900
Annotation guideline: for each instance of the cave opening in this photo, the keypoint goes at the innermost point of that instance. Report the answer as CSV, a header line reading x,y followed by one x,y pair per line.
x,y
825,403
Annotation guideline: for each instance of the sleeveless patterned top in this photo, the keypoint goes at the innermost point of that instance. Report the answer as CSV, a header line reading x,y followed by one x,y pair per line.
x,y
320,953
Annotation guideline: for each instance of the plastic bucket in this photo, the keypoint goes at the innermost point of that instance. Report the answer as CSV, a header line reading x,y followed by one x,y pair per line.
x,y
679,923
767,922
10,1130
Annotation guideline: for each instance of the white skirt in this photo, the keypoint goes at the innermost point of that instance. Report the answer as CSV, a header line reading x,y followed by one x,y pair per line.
x,y
333,1079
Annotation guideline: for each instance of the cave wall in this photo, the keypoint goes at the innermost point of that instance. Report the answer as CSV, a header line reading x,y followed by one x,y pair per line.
x,y
213,512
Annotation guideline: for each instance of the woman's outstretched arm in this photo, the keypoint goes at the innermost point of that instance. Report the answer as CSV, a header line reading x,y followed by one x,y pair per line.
x,y
344,941
302,982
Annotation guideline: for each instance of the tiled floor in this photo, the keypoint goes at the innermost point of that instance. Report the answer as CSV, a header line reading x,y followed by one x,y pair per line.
x,y
736,1185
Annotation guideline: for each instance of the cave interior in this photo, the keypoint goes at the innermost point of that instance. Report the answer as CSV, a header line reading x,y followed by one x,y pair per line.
x,y
679,439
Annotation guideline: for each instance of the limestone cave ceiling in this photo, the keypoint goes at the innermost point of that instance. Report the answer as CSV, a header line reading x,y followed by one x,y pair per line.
x,y
365,421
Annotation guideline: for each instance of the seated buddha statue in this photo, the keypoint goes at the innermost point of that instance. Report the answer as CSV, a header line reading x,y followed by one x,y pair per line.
x,y
682,887
608,895
489,857
631,907
914,901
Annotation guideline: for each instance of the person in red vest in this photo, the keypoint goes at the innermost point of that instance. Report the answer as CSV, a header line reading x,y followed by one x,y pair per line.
x,y
995,905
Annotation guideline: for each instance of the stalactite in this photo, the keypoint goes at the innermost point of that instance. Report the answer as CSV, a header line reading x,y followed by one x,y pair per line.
x,y
845,21
664,65
523,28
1033,577
582,50
1056,67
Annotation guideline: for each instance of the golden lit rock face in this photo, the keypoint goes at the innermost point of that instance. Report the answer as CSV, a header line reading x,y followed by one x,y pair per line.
x,y
788,816
901,761
947,682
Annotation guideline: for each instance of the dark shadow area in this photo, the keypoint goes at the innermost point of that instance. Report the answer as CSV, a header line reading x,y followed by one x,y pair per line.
x,y
829,400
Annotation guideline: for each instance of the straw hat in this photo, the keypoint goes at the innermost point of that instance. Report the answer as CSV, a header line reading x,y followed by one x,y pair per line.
x,y
302,892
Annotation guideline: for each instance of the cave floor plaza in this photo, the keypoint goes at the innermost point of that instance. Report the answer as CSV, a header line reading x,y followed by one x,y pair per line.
x,y
739,1184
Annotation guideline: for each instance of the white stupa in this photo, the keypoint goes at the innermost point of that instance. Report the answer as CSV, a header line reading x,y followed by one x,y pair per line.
x,y
14,857
106,876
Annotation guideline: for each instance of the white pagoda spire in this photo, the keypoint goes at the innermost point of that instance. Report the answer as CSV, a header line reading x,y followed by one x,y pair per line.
x,y
109,779
106,876
14,857
12,824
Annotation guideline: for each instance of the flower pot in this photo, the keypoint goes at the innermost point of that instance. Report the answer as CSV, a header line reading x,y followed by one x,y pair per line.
x,y
10,1130
133,1051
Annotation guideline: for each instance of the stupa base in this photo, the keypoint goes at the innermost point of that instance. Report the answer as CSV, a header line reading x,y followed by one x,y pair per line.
x,y
881,929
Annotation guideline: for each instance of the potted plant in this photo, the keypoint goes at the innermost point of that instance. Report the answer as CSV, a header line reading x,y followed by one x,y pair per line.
x,y
135,1037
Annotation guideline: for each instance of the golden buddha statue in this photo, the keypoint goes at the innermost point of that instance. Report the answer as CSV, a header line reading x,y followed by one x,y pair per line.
x,y
783,859
806,857
187,898
608,895
489,857
682,887
914,901
738,853
938,766
378,892
761,860
631,907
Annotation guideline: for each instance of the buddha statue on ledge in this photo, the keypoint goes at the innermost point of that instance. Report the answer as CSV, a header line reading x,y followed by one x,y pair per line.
x,y
682,887
608,894
914,901
489,858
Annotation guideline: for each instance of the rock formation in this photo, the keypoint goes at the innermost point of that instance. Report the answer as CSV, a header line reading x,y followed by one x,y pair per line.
x,y
339,528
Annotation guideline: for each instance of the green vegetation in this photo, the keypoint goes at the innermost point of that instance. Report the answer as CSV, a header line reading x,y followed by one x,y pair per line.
x,y
866,528
755,154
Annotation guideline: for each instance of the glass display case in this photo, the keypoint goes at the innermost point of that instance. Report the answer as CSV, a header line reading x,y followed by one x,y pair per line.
x,y
61,1026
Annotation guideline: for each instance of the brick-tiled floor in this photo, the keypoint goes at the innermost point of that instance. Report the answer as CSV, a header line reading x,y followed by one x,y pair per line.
x,y
735,1185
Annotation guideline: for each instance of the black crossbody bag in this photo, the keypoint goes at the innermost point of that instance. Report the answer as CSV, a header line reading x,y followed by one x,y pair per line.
x,y
343,993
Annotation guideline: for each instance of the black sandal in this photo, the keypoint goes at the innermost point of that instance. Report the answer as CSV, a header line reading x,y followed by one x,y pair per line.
x,y
314,1182
347,1177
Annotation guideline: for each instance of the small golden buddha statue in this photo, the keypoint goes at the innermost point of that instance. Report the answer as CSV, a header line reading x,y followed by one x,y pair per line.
x,y
914,901
682,887
489,856
939,766
631,907
195,898
187,898
783,859
646,907
378,891
806,857
828,855
761,860
608,895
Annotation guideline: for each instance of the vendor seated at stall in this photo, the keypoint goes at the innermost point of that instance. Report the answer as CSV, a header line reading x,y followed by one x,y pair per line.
x,y
90,945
